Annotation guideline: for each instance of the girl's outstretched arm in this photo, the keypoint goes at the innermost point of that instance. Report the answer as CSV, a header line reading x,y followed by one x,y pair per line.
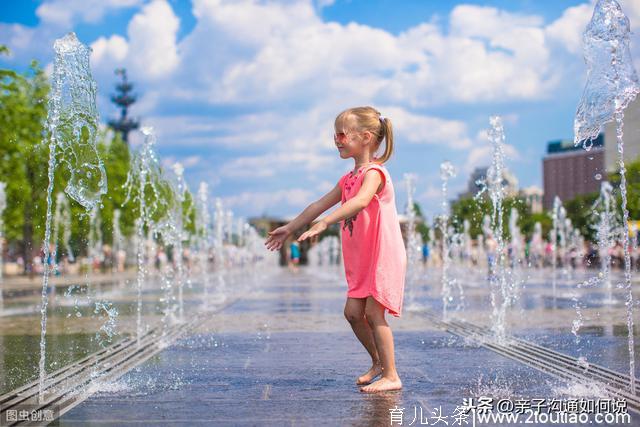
x,y
279,235
370,184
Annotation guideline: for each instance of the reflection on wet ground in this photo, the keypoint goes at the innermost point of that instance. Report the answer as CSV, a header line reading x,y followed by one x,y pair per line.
x,y
283,353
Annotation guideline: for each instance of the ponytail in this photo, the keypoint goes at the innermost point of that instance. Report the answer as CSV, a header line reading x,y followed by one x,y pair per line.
x,y
386,133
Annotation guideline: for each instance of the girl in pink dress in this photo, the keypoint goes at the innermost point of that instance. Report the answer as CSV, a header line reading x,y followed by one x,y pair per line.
x,y
372,246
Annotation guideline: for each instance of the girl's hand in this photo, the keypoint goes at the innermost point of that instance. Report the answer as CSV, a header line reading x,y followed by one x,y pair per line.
x,y
314,231
277,237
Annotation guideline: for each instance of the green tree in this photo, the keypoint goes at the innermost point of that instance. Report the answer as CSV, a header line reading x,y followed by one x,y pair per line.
x,y
474,210
421,226
580,213
632,176
24,155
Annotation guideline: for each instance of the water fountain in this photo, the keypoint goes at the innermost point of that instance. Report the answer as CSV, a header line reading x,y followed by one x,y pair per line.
x,y
536,247
607,231
117,238
143,187
467,243
502,288
180,237
72,125
413,252
95,237
612,83
62,220
219,255
447,171
204,236
555,238
229,225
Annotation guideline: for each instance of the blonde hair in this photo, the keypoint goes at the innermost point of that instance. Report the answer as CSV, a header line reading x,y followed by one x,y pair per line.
x,y
369,119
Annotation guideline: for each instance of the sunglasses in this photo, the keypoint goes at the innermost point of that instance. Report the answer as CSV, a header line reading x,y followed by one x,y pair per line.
x,y
342,136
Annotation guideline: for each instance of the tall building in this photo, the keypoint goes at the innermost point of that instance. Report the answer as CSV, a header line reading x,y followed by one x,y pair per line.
x,y
570,171
533,196
630,136
479,175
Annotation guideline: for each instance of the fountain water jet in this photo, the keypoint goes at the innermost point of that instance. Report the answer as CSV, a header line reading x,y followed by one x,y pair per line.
x,y
612,83
447,171
607,230
413,253
502,288
62,219
143,182
204,240
181,190
72,125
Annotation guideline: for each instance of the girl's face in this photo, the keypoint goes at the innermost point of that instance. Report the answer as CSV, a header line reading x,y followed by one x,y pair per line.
x,y
348,139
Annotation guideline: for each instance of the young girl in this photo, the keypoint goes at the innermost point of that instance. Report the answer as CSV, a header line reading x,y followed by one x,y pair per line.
x,y
372,247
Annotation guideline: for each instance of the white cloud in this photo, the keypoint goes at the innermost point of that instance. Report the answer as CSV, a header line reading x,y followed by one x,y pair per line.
x,y
481,155
569,27
280,74
250,52
152,40
262,201
150,51
423,129
64,13
271,164
112,49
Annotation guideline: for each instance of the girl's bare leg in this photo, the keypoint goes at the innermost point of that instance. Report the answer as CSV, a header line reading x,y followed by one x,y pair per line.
x,y
383,338
354,312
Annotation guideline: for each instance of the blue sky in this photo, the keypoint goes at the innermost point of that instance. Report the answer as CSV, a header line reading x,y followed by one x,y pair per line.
x,y
244,93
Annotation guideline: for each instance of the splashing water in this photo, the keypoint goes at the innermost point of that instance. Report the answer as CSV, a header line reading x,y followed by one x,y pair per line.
x,y
554,238
219,254
447,171
516,239
181,189
467,243
204,241
607,229
117,238
536,251
95,235
108,329
413,253
229,225
612,83
143,182
62,219
72,124
502,289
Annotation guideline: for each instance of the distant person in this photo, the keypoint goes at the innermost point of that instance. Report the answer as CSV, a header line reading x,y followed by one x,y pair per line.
x,y
425,253
492,253
373,250
294,249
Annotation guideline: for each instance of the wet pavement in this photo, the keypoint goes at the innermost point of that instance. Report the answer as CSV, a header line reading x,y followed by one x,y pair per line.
x,y
283,354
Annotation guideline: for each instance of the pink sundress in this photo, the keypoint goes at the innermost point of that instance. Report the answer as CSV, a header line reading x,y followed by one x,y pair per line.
x,y
373,250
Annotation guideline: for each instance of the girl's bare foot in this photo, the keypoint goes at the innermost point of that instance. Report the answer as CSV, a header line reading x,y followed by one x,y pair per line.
x,y
375,370
383,384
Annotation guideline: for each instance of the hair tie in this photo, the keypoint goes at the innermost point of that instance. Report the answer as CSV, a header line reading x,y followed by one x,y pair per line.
x,y
382,118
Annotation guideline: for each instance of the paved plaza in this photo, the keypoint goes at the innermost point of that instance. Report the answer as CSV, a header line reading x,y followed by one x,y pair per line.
x,y
285,355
